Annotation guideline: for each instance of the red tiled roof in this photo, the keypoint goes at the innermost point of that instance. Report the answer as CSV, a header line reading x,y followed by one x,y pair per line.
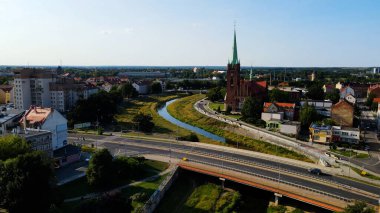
x,y
376,100
36,115
278,104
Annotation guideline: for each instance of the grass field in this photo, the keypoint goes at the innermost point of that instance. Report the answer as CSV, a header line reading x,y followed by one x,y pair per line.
x,y
183,110
204,198
215,105
149,105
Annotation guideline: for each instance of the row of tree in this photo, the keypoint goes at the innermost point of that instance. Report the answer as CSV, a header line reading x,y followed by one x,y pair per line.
x,y
26,177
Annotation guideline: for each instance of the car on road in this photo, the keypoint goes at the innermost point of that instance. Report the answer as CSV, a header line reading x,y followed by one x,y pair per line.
x,y
184,159
315,171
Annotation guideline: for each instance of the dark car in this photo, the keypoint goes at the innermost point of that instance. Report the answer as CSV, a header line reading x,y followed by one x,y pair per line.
x,y
315,171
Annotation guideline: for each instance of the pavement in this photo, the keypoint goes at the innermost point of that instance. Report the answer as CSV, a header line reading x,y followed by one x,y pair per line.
x,y
249,162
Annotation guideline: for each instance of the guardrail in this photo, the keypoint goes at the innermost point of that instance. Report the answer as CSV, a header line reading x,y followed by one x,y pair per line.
x,y
279,180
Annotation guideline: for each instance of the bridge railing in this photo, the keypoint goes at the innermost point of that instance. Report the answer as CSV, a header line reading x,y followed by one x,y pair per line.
x,y
278,180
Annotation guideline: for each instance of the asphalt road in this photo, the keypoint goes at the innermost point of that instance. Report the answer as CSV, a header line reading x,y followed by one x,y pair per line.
x,y
239,162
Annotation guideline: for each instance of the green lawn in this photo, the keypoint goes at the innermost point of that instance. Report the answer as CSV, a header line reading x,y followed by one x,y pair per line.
x,y
215,105
204,198
368,175
149,105
350,153
183,110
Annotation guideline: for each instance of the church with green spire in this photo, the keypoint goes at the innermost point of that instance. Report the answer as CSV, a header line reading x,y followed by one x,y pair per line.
x,y
238,88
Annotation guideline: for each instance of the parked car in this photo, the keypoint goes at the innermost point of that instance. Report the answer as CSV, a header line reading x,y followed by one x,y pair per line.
x,y
315,171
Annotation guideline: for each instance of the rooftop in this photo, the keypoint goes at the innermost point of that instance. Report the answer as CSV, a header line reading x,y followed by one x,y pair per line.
x,y
36,115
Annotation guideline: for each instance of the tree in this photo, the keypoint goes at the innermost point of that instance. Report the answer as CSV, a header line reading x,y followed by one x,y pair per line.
x,y
128,91
252,109
12,146
144,122
156,87
315,92
216,94
308,114
126,167
99,172
333,96
108,203
359,207
25,183
370,98
276,95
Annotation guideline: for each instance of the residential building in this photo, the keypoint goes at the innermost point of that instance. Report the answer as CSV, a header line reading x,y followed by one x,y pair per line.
x,y
320,133
375,90
350,98
342,113
6,94
360,89
31,87
142,87
39,140
291,128
66,155
65,92
144,75
239,89
271,110
323,107
333,134
345,134
339,85
47,119
376,70
280,116
347,90
9,120
328,88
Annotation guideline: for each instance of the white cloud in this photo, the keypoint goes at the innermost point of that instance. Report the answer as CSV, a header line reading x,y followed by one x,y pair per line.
x,y
105,32
129,30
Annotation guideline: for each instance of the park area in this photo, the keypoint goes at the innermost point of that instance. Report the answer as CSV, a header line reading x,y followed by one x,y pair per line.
x,y
138,185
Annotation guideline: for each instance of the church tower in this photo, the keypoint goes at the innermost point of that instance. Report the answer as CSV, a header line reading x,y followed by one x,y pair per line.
x,y
233,79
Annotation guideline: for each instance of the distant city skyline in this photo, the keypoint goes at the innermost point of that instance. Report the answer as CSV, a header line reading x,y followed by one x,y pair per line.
x,y
273,33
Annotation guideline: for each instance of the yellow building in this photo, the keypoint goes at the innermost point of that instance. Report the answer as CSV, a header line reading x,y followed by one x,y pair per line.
x,y
320,133
6,94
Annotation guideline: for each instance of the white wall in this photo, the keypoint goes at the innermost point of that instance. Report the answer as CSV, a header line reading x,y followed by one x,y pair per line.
x,y
57,125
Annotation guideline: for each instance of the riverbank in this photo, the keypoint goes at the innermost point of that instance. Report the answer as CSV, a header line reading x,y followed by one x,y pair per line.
x,y
149,105
183,110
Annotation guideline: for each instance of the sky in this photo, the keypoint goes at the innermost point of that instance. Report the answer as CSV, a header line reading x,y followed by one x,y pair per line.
x,y
292,33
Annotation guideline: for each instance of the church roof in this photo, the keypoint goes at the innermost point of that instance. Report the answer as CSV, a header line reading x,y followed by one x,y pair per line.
x,y
235,59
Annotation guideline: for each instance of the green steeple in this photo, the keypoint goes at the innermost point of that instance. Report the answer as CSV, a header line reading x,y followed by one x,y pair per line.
x,y
235,59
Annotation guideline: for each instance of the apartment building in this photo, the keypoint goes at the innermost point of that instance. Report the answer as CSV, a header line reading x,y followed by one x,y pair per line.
x,y
42,87
47,119
31,87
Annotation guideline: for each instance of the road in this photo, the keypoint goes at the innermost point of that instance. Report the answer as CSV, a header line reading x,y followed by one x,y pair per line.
x,y
372,163
335,185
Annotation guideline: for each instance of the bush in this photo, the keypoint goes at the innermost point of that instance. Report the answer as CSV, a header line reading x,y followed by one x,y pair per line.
x,y
191,137
126,167
276,209
140,197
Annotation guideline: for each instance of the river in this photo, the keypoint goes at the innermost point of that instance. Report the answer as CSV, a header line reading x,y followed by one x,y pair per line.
x,y
163,112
